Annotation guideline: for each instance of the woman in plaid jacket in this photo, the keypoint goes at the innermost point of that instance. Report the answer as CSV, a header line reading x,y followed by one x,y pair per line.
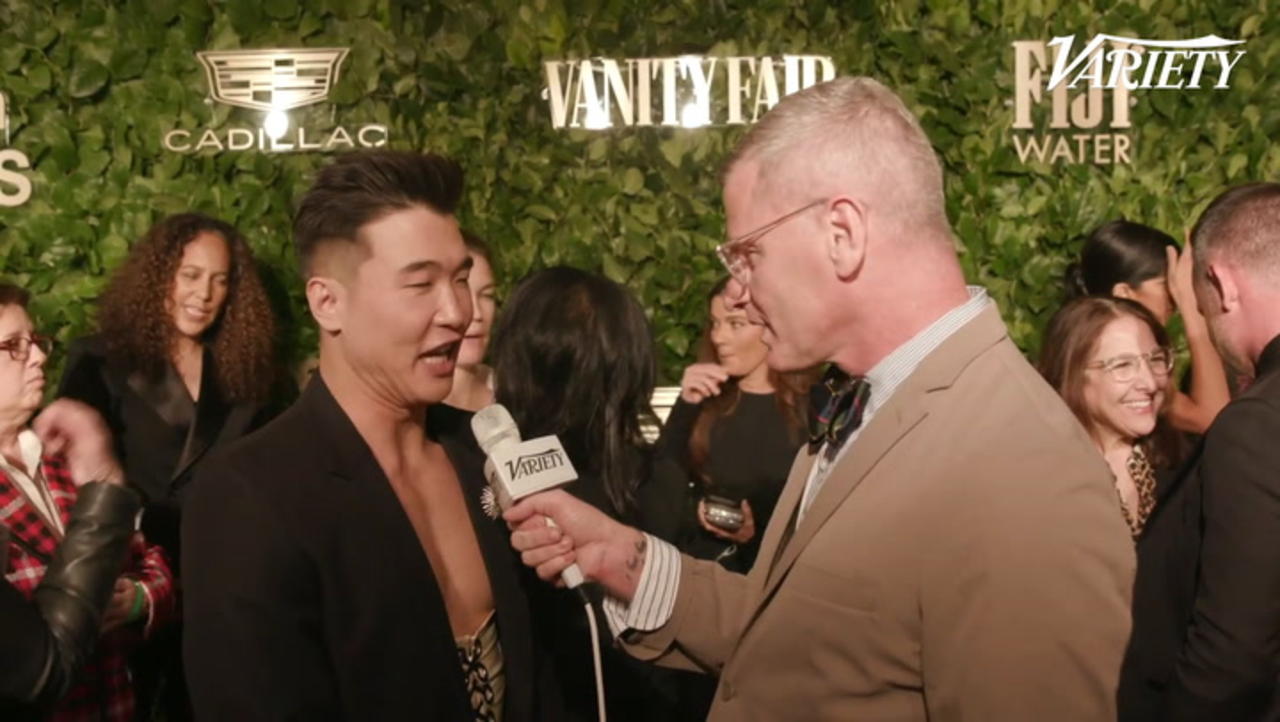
x,y
36,496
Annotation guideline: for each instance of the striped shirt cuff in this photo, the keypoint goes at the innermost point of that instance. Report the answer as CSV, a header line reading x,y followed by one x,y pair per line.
x,y
655,596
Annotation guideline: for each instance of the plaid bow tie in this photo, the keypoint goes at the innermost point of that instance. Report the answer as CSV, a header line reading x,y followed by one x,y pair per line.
x,y
836,407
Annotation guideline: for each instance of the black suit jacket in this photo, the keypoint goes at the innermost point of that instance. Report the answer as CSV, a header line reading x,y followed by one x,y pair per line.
x,y
308,594
1206,615
151,423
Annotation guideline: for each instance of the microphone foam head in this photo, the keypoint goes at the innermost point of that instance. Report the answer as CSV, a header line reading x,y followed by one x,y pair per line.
x,y
493,426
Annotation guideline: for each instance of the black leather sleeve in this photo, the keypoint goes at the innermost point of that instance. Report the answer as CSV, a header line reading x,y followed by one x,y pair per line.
x,y
74,591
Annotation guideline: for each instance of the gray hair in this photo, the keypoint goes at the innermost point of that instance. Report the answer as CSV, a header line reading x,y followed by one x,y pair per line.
x,y
850,128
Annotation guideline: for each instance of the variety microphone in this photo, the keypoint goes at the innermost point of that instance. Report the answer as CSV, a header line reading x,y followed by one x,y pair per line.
x,y
516,469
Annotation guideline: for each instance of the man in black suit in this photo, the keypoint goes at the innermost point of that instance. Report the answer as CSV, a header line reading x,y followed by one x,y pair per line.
x,y
337,563
1206,616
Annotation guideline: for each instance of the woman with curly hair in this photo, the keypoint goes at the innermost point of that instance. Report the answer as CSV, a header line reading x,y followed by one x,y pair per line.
x,y
182,363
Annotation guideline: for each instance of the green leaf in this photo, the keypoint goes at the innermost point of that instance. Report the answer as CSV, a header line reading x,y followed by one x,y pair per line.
x,y
674,148
1235,164
281,9
632,181
127,62
87,78
40,78
541,212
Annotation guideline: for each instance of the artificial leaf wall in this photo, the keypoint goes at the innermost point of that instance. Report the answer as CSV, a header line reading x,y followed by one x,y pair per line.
x,y
94,86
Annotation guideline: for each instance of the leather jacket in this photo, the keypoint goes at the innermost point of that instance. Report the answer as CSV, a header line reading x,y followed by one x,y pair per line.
x,y
47,639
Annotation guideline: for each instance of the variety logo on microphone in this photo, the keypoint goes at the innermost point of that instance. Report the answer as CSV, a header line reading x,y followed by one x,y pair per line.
x,y
274,82
528,464
12,160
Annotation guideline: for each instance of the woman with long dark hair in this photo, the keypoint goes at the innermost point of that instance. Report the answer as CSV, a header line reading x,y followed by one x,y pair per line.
x,y
1109,359
182,363
1128,260
573,356
735,431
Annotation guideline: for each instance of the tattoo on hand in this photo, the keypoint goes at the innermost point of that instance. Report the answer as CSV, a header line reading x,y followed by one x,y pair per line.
x,y
636,559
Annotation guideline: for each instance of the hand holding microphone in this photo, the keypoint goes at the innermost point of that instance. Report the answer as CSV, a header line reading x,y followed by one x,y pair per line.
x,y
516,469
524,476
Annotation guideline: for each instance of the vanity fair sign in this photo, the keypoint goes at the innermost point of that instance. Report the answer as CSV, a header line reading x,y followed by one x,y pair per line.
x,y
689,91
15,187
273,82
1090,90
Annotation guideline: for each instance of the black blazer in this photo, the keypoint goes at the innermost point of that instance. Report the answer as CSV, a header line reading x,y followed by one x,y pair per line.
x,y
151,423
1206,601
308,595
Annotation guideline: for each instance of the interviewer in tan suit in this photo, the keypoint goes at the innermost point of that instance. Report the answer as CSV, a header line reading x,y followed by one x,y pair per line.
x,y
961,555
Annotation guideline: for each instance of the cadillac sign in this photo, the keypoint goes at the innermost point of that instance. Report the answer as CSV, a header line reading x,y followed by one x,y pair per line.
x,y
273,82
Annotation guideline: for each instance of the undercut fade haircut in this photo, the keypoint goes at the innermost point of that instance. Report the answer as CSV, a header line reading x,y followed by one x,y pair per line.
x,y
1242,227
362,187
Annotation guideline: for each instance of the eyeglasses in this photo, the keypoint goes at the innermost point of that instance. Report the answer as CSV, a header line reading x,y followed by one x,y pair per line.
x,y
1124,368
734,253
19,347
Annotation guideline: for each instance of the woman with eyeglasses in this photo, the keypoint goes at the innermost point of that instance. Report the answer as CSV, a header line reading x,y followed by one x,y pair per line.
x,y
37,493
1128,260
183,363
1110,361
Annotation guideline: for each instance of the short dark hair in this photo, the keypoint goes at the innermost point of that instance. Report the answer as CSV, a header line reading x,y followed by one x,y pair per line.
x,y
13,295
479,246
361,187
1118,251
1243,224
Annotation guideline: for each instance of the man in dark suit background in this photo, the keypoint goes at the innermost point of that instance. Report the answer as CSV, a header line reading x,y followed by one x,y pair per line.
x,y
338,564
1206,634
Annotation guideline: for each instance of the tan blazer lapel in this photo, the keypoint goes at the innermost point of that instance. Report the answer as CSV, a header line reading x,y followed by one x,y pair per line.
x,y
782,523
893,421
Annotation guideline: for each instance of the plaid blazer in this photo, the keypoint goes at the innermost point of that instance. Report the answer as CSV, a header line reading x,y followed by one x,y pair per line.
x,y
103,689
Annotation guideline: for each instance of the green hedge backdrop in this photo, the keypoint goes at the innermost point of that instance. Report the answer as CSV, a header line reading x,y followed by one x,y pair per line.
x,y
94,85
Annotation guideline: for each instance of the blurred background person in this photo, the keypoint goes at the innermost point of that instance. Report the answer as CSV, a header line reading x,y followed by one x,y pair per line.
x,y
44,639
182,364
1139,263
1109,359
573,356
734,432
36,497
472,379
1206,598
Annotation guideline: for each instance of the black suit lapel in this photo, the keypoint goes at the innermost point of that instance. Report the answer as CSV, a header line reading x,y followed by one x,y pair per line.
x,y
165,394
451,428
348,457
211,412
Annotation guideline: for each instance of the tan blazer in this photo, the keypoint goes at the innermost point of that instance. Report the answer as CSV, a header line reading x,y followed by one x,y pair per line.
x,y
967,559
